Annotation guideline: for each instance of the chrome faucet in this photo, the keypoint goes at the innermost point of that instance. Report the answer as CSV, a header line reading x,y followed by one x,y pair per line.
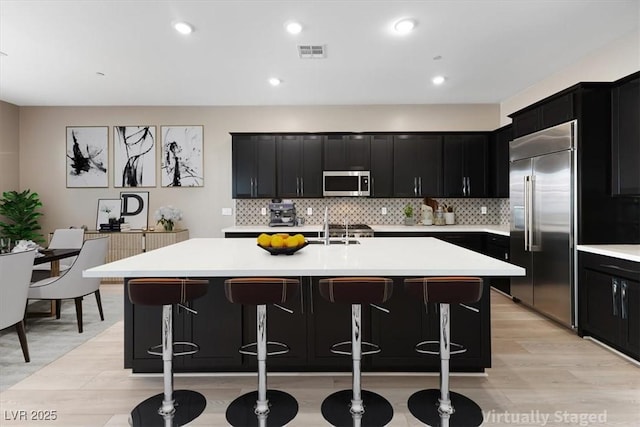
x,y
326,225
346,230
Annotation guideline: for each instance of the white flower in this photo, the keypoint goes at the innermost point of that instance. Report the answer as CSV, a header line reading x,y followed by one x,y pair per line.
x,y
168,213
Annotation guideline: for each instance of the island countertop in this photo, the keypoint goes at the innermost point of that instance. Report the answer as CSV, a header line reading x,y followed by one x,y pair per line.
x,y
219,257
498,229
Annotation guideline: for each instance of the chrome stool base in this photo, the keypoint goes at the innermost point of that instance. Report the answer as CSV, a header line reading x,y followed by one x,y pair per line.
x,y
336,409
282,409
424,406
188,406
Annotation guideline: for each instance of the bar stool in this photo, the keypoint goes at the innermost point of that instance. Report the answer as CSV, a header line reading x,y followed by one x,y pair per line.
x,y
171,407
262,407
356,406
443,407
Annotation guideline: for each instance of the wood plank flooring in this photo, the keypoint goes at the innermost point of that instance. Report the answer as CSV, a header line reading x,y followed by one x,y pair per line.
x,y
542,375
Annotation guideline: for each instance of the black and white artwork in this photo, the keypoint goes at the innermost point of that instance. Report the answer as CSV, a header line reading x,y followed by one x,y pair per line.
x,y
108,209
182,162
135,209
134,156
87,156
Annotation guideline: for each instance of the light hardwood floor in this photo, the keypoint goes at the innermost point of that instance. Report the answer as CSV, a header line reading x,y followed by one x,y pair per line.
x,y
542,375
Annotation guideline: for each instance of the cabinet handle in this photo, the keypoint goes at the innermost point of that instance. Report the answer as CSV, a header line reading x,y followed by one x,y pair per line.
x,y
624,301
253,185
297,186
415,186
311,295
301,186
615,267
468,186
614,295
372,192
464,186
419,186
506,256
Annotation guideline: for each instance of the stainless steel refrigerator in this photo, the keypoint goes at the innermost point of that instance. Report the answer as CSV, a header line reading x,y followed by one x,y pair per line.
x,y
542,191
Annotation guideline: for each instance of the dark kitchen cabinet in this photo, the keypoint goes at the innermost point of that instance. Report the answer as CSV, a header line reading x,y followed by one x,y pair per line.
x,y
499,164
381,166
299,160
217,329
552,111
417,165
465,165
609,301
498,247
347,152
253,165
625,136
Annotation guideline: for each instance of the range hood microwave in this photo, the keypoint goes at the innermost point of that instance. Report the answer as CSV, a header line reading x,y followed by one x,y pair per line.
x,y
345,183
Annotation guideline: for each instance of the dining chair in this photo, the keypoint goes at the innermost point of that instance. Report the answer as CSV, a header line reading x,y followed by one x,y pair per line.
x,y
15,272
71,284
63,238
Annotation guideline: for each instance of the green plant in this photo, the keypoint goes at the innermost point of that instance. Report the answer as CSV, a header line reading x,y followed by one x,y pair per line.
x,y
21,211
408,211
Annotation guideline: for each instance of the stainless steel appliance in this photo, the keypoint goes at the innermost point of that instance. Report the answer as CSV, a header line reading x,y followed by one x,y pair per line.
x,y
542,183
282,213
345,183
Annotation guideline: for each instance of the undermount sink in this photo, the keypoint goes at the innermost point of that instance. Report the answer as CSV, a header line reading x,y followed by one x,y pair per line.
x,y
333,242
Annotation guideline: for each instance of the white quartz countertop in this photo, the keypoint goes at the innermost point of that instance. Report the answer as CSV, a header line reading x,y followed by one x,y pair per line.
x,y
502,230
219,257
628,252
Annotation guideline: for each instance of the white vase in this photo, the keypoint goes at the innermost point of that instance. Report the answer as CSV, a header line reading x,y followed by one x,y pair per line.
x,y
449,218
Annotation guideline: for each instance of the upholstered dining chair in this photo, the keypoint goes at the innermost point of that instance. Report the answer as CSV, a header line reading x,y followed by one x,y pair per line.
x,y
71,284
63,238
15,272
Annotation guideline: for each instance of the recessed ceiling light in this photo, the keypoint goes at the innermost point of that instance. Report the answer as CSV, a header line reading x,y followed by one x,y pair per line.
x,y
3,54
183,27
438,80
404,26
100,73
274,81
437,58
293,27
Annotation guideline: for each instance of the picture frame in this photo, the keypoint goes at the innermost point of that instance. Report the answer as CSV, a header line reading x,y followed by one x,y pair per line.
x,y
135,209
181,161
87,156
106,209
134,156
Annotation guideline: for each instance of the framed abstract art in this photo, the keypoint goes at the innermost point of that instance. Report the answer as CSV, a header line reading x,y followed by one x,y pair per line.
x,y
134,151
181,163
87,156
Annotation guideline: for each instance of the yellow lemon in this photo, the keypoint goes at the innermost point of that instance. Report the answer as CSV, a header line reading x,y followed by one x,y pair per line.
x,y
291,242
284,236
277,241
300,239
264,240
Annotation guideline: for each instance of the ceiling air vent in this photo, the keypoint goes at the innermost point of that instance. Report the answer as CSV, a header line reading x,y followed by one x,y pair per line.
x,y
309,51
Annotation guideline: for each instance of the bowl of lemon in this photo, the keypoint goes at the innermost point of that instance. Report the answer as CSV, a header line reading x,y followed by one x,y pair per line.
x,y
282,243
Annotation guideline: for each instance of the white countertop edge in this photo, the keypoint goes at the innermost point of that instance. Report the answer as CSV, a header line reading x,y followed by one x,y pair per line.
x,y
499,229
626,252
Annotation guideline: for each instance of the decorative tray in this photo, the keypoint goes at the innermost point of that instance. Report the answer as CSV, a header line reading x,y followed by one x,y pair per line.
x,y
284,251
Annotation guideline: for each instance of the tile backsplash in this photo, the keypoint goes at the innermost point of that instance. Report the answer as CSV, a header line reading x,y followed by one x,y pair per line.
x,y
369,210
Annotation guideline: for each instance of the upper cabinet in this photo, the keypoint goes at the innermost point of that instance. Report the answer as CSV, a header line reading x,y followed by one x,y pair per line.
x,y
254,166
347,152
499,161
625,136
299,160
381,166
417,165
558,109
465,165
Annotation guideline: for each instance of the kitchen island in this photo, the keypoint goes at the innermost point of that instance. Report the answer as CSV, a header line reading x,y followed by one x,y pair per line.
x,y
220,327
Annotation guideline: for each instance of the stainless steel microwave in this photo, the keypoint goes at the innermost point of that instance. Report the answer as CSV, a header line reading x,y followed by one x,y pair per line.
x,y
345,183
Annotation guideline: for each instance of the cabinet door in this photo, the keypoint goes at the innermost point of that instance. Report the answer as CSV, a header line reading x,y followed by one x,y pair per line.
x,y
417,165
454,173
625,141
601,305
556,111
475,165
334,155
405,179
358,152
289,162
498,247
499,165
465,158
429,165
265,167
243,150
311,168
526,122
630,315
381,166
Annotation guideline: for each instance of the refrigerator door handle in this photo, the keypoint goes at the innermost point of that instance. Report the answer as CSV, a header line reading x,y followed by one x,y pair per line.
x,y
527,212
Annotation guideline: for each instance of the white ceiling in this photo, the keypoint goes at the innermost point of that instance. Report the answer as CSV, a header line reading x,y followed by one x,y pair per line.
x,y
491,50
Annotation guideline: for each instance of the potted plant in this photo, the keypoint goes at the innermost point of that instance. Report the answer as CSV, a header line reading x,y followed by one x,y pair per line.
x,y
408,215
20,210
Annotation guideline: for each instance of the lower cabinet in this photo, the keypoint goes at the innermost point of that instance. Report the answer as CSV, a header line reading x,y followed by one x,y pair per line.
x,y
609,302
498,247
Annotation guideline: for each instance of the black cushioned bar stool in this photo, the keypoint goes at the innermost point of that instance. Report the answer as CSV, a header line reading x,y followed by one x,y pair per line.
x,y
182,406
262,407
442,407
356,407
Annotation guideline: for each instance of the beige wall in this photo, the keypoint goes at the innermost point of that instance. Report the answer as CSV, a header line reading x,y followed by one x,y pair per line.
x,y
609,63
42,149
9,146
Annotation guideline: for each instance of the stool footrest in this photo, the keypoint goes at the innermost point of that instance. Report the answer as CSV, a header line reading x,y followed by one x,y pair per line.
x,y
367,348
423,347
195,348
245,349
